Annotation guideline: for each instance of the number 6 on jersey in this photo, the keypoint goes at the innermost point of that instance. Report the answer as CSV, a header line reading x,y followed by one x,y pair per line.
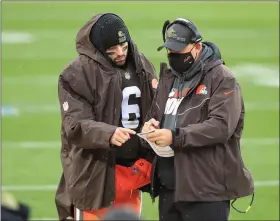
x,y
130,111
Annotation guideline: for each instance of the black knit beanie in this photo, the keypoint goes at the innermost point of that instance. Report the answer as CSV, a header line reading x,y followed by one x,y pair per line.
x,y
109,30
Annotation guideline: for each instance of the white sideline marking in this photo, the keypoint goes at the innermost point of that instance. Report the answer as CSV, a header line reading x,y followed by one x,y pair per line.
x,y
34,80
254,106
260,141
258,74
265,183
9,111
30,188
31,144
16,37
57,144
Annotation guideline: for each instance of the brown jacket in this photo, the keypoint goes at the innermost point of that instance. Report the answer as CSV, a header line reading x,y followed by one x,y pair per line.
x,y
90,98
208,162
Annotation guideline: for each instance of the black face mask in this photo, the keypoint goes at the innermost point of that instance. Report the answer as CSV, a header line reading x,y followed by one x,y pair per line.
x,y
181,62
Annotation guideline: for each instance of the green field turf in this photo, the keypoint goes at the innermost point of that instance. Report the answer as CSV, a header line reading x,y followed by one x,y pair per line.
x,y
38,40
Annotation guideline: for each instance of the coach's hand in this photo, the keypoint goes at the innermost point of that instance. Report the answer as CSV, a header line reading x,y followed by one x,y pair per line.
x,y
147,127
161,137
154,123
121,135
150,125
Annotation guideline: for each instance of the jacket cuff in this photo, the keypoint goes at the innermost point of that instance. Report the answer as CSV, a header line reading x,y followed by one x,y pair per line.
x,y
175,139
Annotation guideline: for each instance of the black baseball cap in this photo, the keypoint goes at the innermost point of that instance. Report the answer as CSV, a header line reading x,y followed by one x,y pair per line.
x,y
177,37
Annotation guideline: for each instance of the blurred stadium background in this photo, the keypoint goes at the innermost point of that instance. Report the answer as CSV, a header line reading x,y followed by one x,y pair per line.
x,y
38,40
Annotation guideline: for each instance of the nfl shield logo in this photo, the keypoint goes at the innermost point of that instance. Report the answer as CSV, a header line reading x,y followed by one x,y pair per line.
x,y
127,75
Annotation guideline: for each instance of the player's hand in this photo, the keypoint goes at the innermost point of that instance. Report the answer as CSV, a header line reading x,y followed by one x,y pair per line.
x,y
161,137
121,135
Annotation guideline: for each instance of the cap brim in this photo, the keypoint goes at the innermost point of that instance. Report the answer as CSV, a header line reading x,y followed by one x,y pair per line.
x,y
173,45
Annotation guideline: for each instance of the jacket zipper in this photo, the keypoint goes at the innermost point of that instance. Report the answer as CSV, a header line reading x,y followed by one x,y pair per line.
x,y
116,121
115,109
154,163
152,194
180,96
181,85
187,96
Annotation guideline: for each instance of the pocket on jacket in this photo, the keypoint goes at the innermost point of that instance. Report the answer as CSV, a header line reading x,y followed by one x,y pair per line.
x,y
211,170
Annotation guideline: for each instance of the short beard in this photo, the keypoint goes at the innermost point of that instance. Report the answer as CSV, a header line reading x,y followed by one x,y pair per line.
x,y
120,64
